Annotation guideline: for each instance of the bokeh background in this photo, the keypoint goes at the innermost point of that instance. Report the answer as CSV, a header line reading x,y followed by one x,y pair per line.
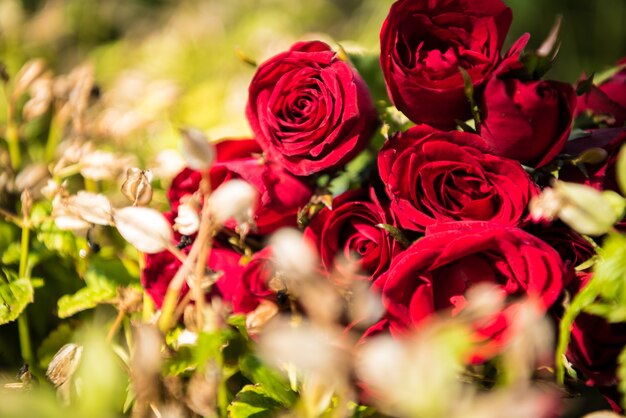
x,y
180,61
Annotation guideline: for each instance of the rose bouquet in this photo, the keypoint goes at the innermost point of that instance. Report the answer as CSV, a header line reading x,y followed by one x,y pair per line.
x,y
447,247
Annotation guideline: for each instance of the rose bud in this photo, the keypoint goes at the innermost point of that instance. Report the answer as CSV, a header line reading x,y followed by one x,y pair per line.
x,y
608,99
310,110
423,44
351,230
527,121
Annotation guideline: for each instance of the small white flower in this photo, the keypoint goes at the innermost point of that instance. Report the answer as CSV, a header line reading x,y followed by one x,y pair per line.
x,y
188,221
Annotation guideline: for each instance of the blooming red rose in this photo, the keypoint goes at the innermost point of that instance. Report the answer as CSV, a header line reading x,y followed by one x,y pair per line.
x,y
527,121
310,110
352,229
432,176
435,272
423,44
609,98
281,194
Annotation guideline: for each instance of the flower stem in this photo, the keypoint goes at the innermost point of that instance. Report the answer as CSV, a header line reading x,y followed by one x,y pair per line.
x,y
13,140
22,320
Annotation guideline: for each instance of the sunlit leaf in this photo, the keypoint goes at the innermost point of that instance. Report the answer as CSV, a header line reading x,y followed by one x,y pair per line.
x,y
253,401
15,295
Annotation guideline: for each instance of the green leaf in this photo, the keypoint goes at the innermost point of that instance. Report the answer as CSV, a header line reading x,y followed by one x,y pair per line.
x,y
239,322
584,86
8,235
274,384
355,173
15,295
85,298
469,93
253,401
607,74
103,277
395,234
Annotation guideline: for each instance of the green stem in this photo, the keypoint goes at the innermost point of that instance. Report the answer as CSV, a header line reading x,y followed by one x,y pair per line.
x,y
54,135
22,320
13,140
91,185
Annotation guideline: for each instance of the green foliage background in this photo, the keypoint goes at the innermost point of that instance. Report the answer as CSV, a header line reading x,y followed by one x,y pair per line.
x,y
195,42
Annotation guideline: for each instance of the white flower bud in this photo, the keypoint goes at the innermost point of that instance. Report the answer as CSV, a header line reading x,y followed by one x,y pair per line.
x,y
198,152
145,228
188,220
585,209
93,208
294,256
233,199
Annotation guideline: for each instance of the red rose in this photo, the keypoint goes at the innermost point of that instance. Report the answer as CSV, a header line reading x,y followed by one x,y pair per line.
x,y
435,272
423,44
254,285
609,98
595,345
280,193
161,268
310,110
433,176
350,229
527,121
573,248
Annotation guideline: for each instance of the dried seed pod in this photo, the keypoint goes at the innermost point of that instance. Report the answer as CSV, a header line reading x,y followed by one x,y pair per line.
x,y
64,364
137,186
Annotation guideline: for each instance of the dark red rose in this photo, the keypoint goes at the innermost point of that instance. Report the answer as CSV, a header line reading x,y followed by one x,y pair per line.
x,y
594,348
423,44
280,193
527,121
310,110
351,230
608,99
573,248
432,176
434,273
254,286
161,268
